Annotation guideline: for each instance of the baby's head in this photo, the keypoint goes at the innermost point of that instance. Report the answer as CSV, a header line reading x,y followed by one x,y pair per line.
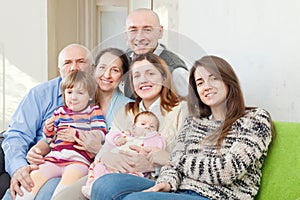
x,y
145,122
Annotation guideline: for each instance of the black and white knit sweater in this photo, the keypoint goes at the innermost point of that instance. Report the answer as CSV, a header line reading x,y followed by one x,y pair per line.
x,y
231,172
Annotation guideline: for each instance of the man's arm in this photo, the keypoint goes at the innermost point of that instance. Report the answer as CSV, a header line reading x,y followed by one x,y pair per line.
x,y
25,129
21,134
26,125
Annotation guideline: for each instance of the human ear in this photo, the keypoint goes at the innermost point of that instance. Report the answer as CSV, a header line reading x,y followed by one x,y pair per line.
x,y
161,31
164,81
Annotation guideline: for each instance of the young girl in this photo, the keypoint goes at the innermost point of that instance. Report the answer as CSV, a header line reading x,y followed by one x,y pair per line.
x,y
67,158
144,133
219,152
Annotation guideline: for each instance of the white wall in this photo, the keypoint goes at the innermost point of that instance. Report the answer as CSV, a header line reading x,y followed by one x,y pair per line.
x,y
23,36
260,38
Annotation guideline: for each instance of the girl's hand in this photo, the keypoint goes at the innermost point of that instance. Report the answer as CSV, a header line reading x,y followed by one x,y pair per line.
x,y
49,124
160,187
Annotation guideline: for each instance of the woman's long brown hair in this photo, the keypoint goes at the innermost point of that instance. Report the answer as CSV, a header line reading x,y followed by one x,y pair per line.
x,y
235,106
168,96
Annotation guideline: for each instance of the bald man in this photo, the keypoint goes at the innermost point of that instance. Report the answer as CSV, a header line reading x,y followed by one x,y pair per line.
x,y
142,33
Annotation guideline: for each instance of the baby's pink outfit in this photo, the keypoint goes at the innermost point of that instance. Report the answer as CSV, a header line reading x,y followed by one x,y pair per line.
x,y
98,169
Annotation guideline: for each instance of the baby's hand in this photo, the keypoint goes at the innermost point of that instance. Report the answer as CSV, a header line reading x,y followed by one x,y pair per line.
x,y
121,141
49,124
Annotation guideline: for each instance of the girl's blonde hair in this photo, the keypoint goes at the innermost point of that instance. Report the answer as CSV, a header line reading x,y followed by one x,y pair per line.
x,y
79,77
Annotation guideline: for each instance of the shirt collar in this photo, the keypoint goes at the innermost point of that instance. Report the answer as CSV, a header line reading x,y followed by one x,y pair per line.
x,y
59,90
157,50
155,106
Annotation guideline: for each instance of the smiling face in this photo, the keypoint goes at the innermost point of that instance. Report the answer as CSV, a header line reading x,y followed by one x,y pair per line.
x,y
142,31
211,89
72,58
108,72
77,97
147,81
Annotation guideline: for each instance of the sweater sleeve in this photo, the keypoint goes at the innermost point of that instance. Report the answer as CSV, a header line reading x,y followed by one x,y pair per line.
x,y
253,136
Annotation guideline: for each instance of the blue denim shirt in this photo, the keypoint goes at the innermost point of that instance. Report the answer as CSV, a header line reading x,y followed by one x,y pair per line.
x,y
26,125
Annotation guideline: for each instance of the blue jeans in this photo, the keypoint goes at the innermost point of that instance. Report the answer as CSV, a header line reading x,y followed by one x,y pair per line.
x,y
45,192
127,186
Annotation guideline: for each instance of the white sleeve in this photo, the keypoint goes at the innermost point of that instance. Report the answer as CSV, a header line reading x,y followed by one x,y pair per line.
x,y
181,81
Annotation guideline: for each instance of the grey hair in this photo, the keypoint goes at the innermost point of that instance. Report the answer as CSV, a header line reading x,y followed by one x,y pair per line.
x,y
88,52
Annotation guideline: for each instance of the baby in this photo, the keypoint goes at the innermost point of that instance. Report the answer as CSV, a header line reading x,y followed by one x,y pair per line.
x,y
144,133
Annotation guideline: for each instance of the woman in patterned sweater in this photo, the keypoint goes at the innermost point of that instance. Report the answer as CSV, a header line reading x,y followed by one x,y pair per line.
x,y
219,152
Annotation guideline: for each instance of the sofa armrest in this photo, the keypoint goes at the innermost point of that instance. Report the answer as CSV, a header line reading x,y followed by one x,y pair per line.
x,y
280,174
2,167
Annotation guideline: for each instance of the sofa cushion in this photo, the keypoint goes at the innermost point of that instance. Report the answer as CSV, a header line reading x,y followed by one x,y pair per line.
x,y
281,170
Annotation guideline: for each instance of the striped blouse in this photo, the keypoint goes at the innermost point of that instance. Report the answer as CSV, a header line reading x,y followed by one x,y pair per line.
x,y
91,118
